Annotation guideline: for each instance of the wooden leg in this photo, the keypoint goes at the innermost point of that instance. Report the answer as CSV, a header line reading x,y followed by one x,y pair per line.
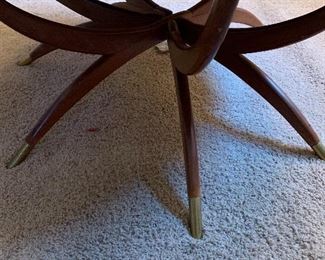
x,y
262,84
248,40
78,89
246,17
85,40
112,15
43,49
190,152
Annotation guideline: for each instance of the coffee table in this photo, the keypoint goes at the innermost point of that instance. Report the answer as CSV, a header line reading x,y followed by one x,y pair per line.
x,y
196,36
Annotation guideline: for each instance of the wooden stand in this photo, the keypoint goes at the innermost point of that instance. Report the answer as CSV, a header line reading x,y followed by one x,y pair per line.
x,y
121,31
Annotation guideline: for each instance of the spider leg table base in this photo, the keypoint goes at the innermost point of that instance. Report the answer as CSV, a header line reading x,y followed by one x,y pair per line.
x,y
145,24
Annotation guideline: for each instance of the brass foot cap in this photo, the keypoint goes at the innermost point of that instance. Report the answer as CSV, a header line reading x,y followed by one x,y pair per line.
x,y
19,156
25,62
320,150
196,217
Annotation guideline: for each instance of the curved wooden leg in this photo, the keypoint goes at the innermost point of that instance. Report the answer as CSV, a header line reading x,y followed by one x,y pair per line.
x,y
43,48
246,17
199,13
262,84
247,40
241,15
111,15
86,40
263,38
190,152
78,89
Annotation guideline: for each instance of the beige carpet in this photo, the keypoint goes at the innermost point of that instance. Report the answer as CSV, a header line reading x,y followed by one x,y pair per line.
x,y
119,192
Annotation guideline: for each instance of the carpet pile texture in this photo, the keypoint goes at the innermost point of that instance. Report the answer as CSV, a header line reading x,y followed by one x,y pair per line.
x,y
108,181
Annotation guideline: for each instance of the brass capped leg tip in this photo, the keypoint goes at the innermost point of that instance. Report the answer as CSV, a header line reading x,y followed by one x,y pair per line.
x,y
19,156
196,217
25,62
320,150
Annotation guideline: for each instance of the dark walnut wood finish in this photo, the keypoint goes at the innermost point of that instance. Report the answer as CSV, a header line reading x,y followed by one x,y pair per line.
x,y
121,31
